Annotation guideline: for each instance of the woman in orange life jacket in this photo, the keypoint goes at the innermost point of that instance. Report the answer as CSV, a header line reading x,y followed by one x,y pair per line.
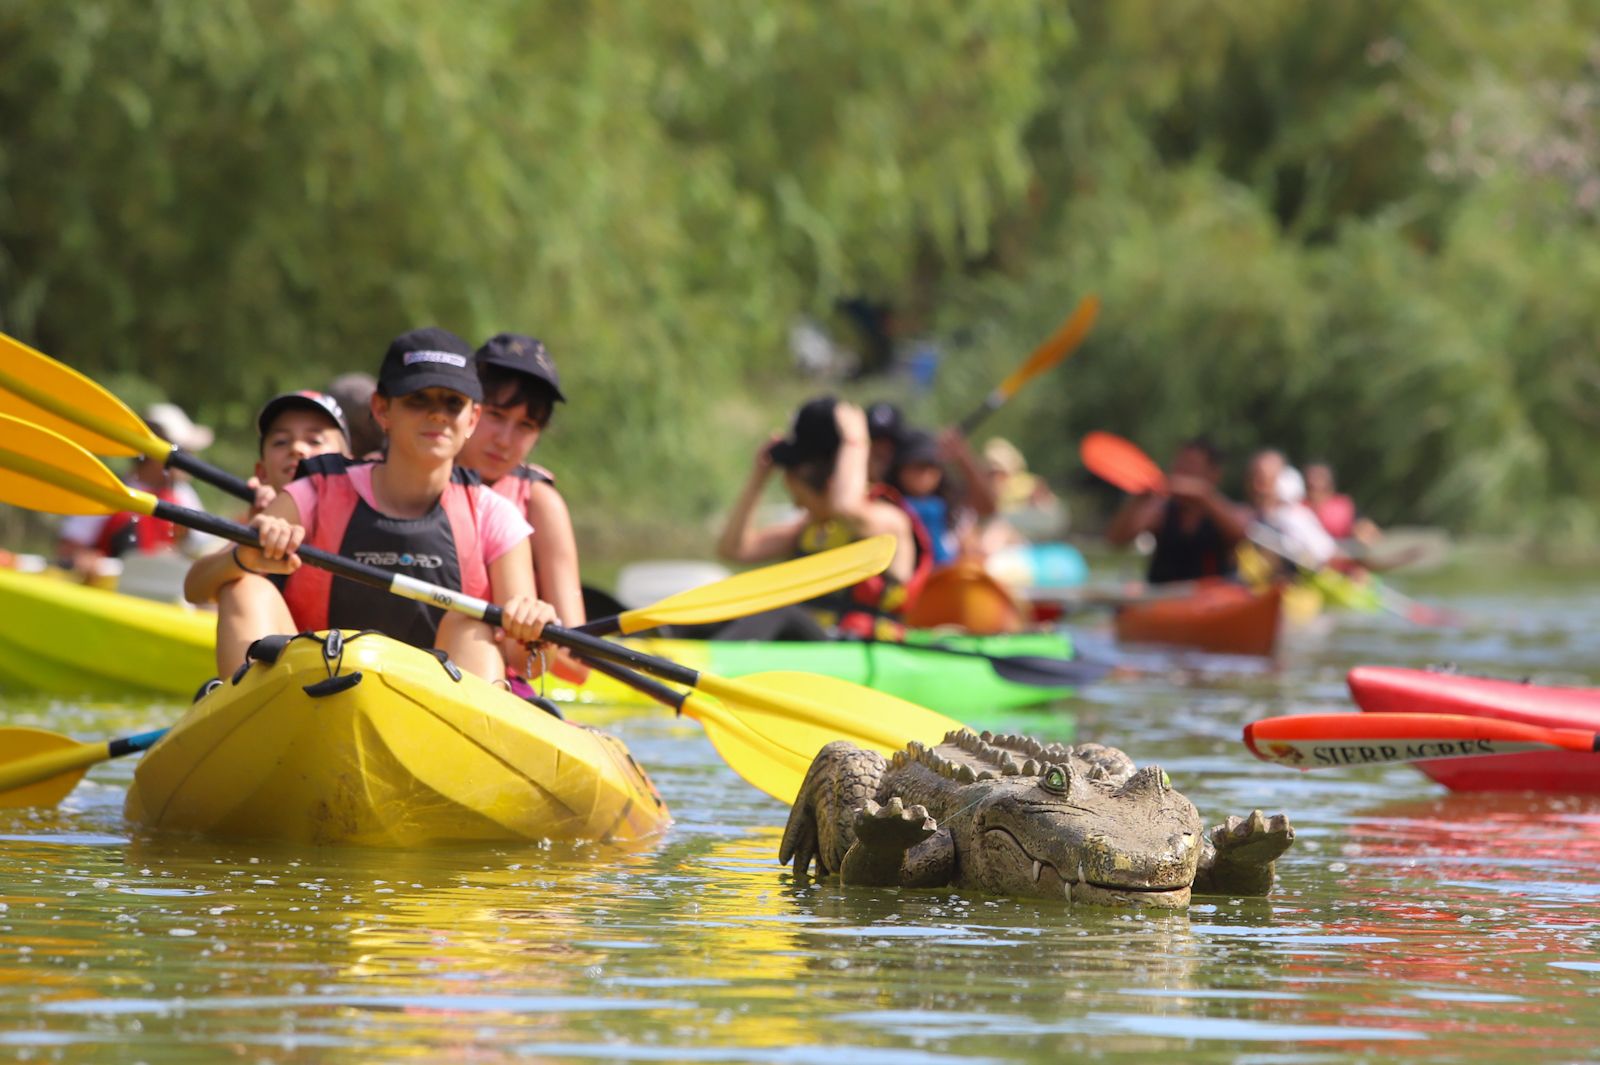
x,y
520,391
824,463
412,513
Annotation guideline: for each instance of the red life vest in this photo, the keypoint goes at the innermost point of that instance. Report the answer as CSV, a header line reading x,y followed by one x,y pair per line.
x,y
517,485
442,547
875,608
147,534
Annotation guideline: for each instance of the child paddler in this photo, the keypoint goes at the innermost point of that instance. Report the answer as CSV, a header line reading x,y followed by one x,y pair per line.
x,y
520,391
413,513
293,427
824,462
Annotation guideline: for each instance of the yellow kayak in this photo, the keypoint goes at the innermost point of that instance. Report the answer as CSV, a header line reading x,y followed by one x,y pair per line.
x,y
63,637
363,740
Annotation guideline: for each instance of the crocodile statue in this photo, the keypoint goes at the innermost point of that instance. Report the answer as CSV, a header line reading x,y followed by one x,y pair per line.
x,y
1012,816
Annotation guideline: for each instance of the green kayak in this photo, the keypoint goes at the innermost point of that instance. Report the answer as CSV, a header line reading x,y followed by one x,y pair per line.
x,y
930,676
61,638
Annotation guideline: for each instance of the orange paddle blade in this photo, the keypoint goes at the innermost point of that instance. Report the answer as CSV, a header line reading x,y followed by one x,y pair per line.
x,y
1063,342
1324,741
1119,462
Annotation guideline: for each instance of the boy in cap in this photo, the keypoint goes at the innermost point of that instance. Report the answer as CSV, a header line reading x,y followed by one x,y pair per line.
x,y
824,463
292,427
412,513
520,391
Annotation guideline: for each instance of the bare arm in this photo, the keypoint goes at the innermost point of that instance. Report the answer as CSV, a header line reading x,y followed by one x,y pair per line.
x,y
740,542
1138,515
847,488
880,516
1230,518
281,532
980,497
555,554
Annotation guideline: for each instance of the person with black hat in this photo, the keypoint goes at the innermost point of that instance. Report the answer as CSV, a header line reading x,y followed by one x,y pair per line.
x,y
949,507
886,427
919,475
413,513
824,462
520,391
292,427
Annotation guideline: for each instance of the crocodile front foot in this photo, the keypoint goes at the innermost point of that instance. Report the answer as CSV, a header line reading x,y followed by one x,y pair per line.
x,y
896,845
1238,855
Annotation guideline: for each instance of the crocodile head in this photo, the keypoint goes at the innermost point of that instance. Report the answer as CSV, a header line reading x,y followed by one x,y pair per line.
x,y
1070,832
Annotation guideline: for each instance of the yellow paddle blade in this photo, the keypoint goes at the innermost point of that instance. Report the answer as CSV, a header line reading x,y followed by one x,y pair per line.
x,y
796,714
37,388
767,588
1057,346
42,470
762,762
39,768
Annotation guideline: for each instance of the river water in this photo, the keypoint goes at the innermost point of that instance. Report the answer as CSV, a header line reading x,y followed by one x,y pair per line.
x,y
1409,923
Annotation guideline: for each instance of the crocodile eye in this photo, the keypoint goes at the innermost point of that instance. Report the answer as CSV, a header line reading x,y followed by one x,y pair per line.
x,y
1055,779
1166,781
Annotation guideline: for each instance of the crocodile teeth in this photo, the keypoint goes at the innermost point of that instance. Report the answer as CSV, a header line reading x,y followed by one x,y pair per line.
x,y
1066,890
1037,866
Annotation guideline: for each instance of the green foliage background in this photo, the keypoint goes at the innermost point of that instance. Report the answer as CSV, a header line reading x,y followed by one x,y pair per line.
x,y
1361,230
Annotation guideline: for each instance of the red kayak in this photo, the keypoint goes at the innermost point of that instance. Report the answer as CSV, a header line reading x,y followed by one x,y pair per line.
x,y
1218,616
1380,689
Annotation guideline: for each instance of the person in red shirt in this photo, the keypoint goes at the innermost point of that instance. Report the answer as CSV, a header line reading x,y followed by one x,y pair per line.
x,y
84,539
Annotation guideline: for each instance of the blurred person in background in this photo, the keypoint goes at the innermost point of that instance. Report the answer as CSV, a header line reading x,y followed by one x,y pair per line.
x,y
353,392
1196,528
823,460
949,507
86,538
1335,510
1277,497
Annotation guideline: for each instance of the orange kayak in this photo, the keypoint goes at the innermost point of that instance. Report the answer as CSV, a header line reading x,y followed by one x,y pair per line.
x,y
1218,616
964,595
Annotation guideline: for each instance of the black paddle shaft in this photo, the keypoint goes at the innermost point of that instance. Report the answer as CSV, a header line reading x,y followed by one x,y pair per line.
x,y
180,459
991,403
640,683
421,591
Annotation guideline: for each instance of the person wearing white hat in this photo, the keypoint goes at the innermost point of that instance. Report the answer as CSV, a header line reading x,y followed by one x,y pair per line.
x,y
85,538
1277,495
173,425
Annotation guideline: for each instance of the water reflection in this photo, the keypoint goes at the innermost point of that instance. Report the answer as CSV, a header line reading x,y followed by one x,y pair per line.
x,y
1408,923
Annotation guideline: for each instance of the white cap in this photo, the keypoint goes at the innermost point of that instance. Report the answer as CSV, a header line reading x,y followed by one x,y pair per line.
x,y
169,421
1291,486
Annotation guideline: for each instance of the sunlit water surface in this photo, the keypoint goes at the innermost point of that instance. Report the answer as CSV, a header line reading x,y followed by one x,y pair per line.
x,y
1409,923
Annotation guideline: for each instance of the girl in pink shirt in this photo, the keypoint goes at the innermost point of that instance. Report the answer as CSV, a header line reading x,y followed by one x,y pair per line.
x,y
411,513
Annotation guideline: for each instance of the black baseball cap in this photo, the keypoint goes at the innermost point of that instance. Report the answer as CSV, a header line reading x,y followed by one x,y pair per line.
x,y
512,351
305,399
429,358
917,448
884,421
814,435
